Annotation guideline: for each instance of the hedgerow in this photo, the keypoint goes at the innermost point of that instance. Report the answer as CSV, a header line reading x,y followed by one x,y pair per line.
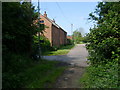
x,y
104,47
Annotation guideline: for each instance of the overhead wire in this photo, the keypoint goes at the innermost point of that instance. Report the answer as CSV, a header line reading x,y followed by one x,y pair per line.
x,y
65,17
63,13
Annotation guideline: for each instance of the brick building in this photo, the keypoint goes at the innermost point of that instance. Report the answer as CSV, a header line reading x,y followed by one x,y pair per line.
x,y
56,35
69,37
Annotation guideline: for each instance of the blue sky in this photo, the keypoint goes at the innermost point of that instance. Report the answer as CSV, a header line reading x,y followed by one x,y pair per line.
x,y
67,13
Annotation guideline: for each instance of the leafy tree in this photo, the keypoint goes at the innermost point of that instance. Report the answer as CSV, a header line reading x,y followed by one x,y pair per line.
x,y
17,26
104,47
85,39
104,37
18,31
77,36
44,43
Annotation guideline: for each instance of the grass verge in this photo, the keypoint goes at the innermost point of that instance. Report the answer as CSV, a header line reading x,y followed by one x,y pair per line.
x,y
61,51
101,76
42,74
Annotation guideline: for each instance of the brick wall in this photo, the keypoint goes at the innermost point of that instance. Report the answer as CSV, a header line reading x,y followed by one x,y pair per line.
x,y
55,36
63,35
47,32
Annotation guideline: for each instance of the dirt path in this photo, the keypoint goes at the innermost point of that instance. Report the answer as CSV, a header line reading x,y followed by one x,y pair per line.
x,y
70,78
77,60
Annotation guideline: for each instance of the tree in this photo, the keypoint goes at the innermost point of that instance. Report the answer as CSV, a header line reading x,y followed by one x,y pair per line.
x,y
19,27
77,36
18,41
104,37
104,47
18,31
85,38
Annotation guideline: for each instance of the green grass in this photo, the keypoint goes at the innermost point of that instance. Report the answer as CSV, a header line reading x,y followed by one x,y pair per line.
x,y
101,76
42,74
63,50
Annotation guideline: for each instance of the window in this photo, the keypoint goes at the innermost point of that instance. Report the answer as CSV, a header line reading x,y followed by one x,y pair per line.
x,y
42,21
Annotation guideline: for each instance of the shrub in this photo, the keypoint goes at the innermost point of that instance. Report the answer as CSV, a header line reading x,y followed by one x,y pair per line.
x,y
44,44
15,62
104,47
69,41
101,76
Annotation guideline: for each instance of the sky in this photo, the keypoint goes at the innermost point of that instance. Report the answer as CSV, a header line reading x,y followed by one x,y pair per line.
x,y
67,13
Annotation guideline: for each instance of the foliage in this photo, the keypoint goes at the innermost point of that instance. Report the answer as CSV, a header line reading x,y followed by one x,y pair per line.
x,y
17,27
85,39
18,31
70,42
104,47
44,44
77,36
16,63
101,76
17,40
104,38
40,75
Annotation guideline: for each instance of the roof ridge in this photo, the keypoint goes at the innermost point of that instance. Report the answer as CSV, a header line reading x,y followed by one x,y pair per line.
x,y
53,22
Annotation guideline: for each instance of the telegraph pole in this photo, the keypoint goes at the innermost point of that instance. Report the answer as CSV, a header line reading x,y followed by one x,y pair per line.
x,y
72,32
39,32
71,29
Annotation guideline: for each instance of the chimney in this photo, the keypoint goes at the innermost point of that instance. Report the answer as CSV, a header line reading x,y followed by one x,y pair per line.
x,y
54,20
45,15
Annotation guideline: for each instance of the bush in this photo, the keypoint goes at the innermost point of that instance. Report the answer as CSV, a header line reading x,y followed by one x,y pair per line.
x,y
53,48
11,80
15,62
85,39
101,76
104,47
42,74
44,44
104,43
70,42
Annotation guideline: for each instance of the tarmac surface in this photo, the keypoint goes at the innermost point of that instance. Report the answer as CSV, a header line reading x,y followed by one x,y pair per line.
x,y
76,59
76,56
